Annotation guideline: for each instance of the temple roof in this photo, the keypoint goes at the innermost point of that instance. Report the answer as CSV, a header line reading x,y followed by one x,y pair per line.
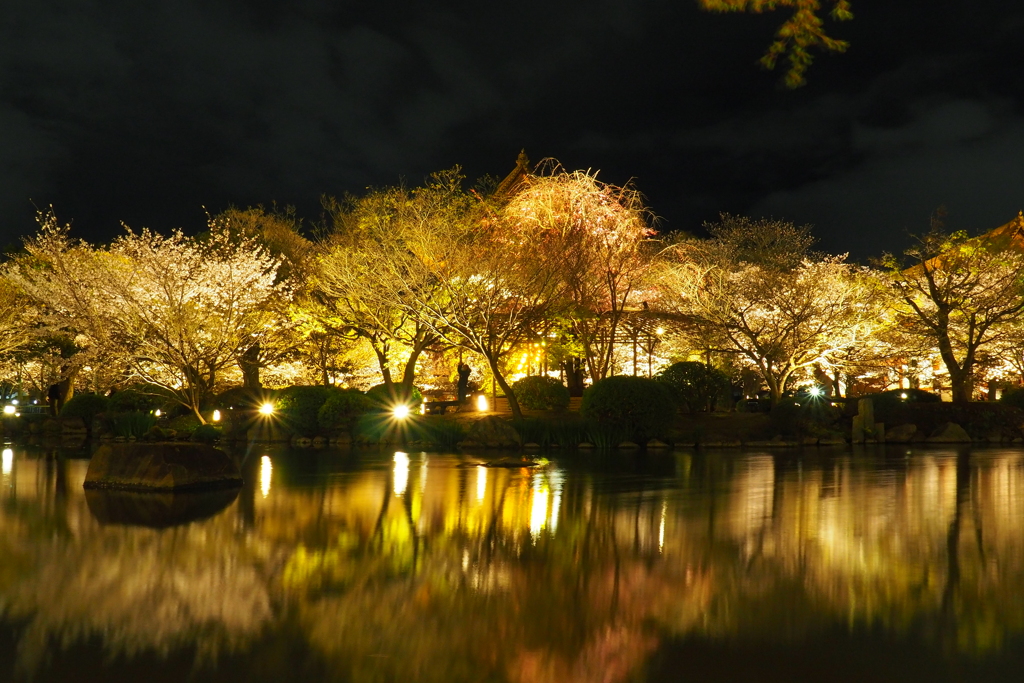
x,y
515,179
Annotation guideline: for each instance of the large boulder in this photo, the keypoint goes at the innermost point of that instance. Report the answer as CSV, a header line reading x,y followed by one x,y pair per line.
x,y
950,432
901,434
492,432
161,467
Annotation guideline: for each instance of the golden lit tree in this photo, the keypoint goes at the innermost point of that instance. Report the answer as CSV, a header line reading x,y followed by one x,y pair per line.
x,y
803,31
756,291
595,236
962,295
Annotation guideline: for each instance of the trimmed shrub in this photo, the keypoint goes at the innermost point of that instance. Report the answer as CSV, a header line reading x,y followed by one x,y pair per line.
x,y
241,398
1013,397
85,406
299,408
541,392
385,399
695,386
635,407
803,415
341,410
130,401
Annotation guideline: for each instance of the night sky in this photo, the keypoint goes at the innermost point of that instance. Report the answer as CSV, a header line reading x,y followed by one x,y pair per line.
x,y
147,112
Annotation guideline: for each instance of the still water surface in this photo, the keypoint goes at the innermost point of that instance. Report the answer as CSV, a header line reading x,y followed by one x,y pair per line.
x,y
869,565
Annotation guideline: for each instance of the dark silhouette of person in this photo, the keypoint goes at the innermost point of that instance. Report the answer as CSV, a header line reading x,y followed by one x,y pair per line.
x,y
53,397
464,372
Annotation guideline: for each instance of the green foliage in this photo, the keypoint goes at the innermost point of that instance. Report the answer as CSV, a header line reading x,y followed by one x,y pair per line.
x,y
541,392
184,425
241,398
1013,397
85,406
340,411
695,386
132,423
298,408
130,400
637,407
206,433
385,399
444,433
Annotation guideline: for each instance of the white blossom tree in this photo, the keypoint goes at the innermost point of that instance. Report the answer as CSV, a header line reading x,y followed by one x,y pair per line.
x,y
179,309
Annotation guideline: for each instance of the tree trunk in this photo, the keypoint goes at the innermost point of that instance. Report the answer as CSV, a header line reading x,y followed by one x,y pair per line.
x,y
573,376
249,363
513,403
963,384
409,374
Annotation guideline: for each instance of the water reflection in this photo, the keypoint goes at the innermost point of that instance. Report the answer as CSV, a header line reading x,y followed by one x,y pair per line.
x,y
572,573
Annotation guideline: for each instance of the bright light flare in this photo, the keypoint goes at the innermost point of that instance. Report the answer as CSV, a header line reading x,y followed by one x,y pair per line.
x,y
903,395
817,392
9,410
216,416
8,461
267,409
481,403
400,411
266,469
158,412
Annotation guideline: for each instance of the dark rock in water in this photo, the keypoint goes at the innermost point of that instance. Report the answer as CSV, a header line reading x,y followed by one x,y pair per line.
x,y
950,432
157,510
161,467
901,433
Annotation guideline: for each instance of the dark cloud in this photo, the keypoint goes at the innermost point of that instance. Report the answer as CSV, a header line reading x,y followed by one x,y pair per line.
x,y
145,112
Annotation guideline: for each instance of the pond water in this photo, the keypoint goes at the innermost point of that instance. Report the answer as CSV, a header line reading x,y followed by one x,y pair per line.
x,y
855,565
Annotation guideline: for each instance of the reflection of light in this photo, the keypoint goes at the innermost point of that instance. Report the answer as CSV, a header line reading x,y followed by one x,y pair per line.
x,y
8,460
661,528
481,482
481,403
539,509
216,416
267,409
401,472
265,470
400,411
556,504
9,410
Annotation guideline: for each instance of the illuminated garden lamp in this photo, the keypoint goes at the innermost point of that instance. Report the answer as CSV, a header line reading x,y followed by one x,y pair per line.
x,y
816,391
9,410
481,403
903,395
267,409
401,411
216,416
158,412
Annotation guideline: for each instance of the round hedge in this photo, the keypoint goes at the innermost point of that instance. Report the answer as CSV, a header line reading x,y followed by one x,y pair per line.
x,y
85,406
541,392
694,385
1013,396
638,406
298,408
130,401
384,398
341,410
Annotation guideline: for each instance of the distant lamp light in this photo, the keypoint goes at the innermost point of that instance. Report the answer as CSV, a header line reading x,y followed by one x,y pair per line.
x,y
401,411
660,331
481,403
14,401
9,410
216,416
267,409
816,391
904,396
158,412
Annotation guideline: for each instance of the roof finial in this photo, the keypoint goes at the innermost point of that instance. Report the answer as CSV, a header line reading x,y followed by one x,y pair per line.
x,y
523,161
